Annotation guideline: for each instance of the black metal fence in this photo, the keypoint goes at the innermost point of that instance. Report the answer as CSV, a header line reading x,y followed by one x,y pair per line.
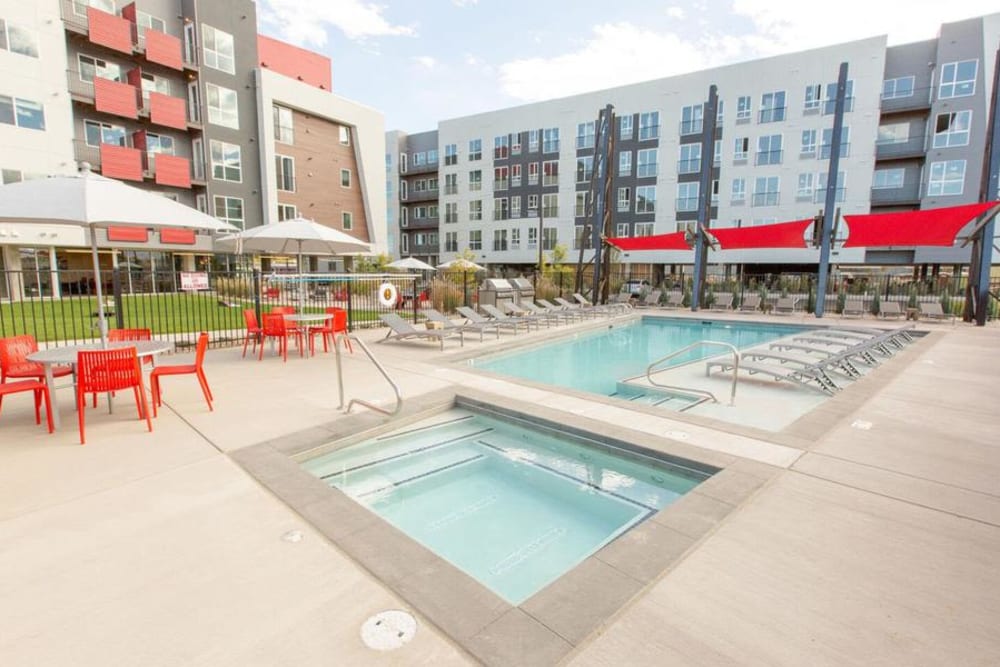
x,y
61,306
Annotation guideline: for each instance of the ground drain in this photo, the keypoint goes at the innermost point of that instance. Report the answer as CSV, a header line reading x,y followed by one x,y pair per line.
x,y
388,630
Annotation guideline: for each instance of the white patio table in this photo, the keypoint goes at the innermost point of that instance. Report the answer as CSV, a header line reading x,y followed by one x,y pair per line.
x,y
306,319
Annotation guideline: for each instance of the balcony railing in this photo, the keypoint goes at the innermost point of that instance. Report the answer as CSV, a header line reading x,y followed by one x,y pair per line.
x,y
686,204
765,199
646,171
422,195
649,132
768,157
908,193
501,184
411,169
897,150
689,166
773,115
920,99
691,127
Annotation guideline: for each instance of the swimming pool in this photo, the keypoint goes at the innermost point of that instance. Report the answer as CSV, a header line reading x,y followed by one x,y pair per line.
x,y
510,503
596,362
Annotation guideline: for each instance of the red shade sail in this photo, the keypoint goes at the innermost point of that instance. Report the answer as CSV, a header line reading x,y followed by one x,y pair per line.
x,y
672,241
933,227
781,235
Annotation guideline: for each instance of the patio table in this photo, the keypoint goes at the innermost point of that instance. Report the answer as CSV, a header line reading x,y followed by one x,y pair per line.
x,y
67,354
306,319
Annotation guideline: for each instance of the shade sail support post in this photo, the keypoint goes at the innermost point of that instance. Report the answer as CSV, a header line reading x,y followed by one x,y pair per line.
x,y
981,262
826,234
709,117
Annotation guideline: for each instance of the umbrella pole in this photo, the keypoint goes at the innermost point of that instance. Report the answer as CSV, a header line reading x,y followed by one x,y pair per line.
x,y
302,280
102,323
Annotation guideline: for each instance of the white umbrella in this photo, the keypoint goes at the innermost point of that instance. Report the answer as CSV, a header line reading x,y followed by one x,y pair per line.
x,y
461,264
411,264
297,235
92,201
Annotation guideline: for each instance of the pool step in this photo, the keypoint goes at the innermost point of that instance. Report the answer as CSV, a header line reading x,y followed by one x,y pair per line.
x,y
642,395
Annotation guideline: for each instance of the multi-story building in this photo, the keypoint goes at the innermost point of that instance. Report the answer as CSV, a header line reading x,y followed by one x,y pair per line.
x,y
413,175
914,137
180,98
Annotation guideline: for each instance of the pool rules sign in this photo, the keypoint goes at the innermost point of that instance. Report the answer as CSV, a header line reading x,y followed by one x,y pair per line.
x,y
192,282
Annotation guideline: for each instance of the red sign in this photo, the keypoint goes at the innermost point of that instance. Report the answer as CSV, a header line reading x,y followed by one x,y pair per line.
x,y
128,234
178,236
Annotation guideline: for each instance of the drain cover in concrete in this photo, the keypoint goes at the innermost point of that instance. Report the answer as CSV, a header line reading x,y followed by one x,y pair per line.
x,y
388,630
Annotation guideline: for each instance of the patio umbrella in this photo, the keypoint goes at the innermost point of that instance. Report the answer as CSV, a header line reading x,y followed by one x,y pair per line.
x,y
461,264
92,201
411,264
298,236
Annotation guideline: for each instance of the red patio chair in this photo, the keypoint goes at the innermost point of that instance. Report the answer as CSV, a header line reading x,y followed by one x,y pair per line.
x,y
40,389
330,329
274,327
293,328
14,362
184,369
119,335
107,371
253,330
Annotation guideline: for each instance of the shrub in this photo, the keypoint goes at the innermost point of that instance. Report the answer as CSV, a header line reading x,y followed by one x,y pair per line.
x,y
233,287
446,295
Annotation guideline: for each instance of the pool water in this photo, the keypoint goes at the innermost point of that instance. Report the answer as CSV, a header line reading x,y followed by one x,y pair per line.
x,y
596,362
510,504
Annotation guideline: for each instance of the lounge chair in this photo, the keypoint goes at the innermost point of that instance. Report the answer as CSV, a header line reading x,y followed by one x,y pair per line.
x,y
449,325
675,300
500,316
785,305
566,312
812,375
474,317
622,300
651,300
750,303
889,309
400,329
610,308
722,301
575,307
529,311
933,311
853,307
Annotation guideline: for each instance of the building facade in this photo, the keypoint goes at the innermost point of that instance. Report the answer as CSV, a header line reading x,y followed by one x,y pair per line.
x,y
914,137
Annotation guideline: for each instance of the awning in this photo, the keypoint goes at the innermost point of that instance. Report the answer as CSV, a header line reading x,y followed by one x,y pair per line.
x,y
781,235
672,241
933,227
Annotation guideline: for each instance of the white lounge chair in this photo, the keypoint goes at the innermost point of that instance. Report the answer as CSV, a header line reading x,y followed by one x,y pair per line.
x,y
472,316
785,305
853,307
750,303
449,325
722,301
400,329
889,309
933,311
500,316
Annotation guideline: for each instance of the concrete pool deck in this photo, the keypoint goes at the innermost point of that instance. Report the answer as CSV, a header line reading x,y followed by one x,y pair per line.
x,y
875,540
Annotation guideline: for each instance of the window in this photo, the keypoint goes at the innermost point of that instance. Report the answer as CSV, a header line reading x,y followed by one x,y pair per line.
x,y
476,209
895,88
532,205
621,230
768,150
821,180
692,119
532,173
16,39
404,244
450,154
515,144
808,147
515,207
687,197
532,237
229,209
285,171
813,96
580,210
625,163
744,108
739,191
451,212
404,189
625,127
501,179
645,199
344,135
829,105
806,186
102,133
772,107
158,143
475,180
827,140
222,107
550,206
532,141
715,192
550,237
578,239
345,178
741,149
218,49
515,176
287,212
451,241
80,6
347,220
475,149
501,147
22,113
952,129
649,125
501,209
475,239
646,163
624,199
765,191
550,140
515,239
402,163
499,240
144,22
690,162
550,172
584,168
451,184
585,135
94,67
154,84
644,229
404,216
893,133
947,178
432,157
958,79
885,179
419,159
717,152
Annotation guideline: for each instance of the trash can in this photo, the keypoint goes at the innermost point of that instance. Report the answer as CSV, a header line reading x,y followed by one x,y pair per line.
x,y
525,290
496,292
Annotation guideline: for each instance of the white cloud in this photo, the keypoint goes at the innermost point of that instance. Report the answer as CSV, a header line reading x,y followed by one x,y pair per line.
x,y
676,12
427,62
464,3
305,21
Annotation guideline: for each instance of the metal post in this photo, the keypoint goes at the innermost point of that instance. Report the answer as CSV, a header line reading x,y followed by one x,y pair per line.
x,y
705,194
602,150
826,236
255,281
116,291
982,248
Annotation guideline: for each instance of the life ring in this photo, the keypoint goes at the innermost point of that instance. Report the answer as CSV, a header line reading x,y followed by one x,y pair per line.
x,y
387,295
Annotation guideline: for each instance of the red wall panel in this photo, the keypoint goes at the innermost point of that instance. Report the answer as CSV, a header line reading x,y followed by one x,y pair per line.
x,y
167,110
115,98
121,162
109,30
173,170
130,234
178,236
293,62
163,49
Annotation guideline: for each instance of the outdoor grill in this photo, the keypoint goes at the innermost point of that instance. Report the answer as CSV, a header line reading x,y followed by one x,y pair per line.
x,y
524,289
496,292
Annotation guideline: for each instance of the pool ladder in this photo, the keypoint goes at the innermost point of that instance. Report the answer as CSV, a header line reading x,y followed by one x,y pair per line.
x,y
381,369
703,393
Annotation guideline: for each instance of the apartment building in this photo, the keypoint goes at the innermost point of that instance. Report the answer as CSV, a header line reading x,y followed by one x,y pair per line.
x,y
416,162
914,137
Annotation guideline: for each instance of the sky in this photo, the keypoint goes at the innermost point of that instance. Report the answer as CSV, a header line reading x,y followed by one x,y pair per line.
x,y
422,61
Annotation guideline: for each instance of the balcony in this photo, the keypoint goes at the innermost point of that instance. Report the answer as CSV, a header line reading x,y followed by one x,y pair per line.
x,y
121,162
423,223
765,199
108,30
422,195
691,127
773,115
767,157
501,184
413,169
163,49
900,150
919,100
908,194
689,166
113,97
167,110
169,170
649,132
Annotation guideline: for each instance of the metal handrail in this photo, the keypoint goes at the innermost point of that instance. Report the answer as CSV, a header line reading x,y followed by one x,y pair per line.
x,y
381,369
702,392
